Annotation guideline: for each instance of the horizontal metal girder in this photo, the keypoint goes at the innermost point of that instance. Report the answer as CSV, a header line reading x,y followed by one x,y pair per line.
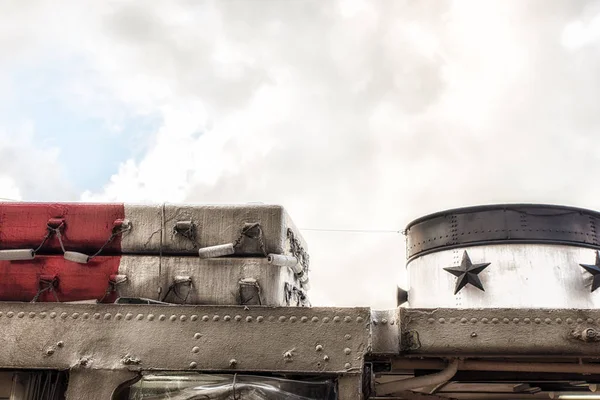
x,y
207,338
506,332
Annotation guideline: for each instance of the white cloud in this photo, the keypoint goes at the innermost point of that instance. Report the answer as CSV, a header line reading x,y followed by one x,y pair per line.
x,y
351,114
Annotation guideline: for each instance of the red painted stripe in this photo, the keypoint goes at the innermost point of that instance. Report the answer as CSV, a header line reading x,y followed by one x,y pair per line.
x,y
19,280
87,226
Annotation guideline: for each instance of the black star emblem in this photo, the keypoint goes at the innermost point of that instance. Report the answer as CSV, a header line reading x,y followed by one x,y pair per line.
x,y
595,271
467,273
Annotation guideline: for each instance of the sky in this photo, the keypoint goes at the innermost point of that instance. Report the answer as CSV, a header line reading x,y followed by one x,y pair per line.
x,y
353,115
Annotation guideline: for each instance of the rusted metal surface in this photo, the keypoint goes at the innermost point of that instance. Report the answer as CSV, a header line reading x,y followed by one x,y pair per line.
x,y
500,332
136,337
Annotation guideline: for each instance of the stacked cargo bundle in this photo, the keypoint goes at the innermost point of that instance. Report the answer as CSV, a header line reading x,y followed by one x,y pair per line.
x,y
181,254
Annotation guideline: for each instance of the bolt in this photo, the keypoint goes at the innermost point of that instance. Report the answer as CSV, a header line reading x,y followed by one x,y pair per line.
x,y
49,352
232,362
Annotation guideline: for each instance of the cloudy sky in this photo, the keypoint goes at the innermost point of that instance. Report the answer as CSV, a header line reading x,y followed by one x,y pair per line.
x,y
352,114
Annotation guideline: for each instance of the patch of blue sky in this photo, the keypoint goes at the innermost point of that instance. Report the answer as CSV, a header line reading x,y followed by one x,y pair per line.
x,y
93,142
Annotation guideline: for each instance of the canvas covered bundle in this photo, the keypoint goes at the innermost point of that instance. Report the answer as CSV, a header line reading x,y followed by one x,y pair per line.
x,y
186,254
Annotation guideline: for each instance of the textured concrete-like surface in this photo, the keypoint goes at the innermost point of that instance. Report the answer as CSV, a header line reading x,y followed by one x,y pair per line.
x,y
210,338
567,332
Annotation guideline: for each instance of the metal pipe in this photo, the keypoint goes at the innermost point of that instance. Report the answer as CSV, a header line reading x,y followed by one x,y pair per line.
x,y
504,366
285,261
420,381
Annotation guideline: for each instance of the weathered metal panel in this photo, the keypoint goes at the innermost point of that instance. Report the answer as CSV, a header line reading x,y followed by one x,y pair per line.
x,y
546,332
385,325
519,276
136,337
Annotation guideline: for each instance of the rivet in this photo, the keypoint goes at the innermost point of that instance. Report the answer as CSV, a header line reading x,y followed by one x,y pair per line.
x,y
205,318
62,315
347,337
548,321
195,349
42,315
527,320
326,357
49,352
319,347
128,316
441,320
359,319
107,316
183,318
516,320
474,334
325,319
150,317
162,317
232,362
31,315
473,320
52,315
248,319
75,315
537,320
173,318
558,320
430,320
282,319
193,364
293,319
347,365
287,354
452,320
569,321
304,319
118,316
336,319
197,335
347,351
506,320
579,320
590,321
260,318
60,343
463,320
348,319
238,318
227,318
21,314
96,316
139,317
384,321
194,318
315,319
495,320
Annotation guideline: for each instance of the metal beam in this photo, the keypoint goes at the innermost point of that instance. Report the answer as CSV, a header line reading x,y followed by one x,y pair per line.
x,y
492,332
206,338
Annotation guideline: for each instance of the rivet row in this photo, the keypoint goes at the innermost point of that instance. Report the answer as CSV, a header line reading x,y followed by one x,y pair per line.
x,y
515,320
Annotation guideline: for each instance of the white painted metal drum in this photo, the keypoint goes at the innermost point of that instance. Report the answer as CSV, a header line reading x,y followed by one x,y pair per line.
x,y
506,256
519,276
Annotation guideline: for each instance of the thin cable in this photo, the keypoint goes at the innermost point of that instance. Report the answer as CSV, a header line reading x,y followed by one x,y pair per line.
x,y
351,230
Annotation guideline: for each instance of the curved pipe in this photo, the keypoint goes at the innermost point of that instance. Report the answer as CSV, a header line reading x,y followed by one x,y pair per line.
x,y
420,381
